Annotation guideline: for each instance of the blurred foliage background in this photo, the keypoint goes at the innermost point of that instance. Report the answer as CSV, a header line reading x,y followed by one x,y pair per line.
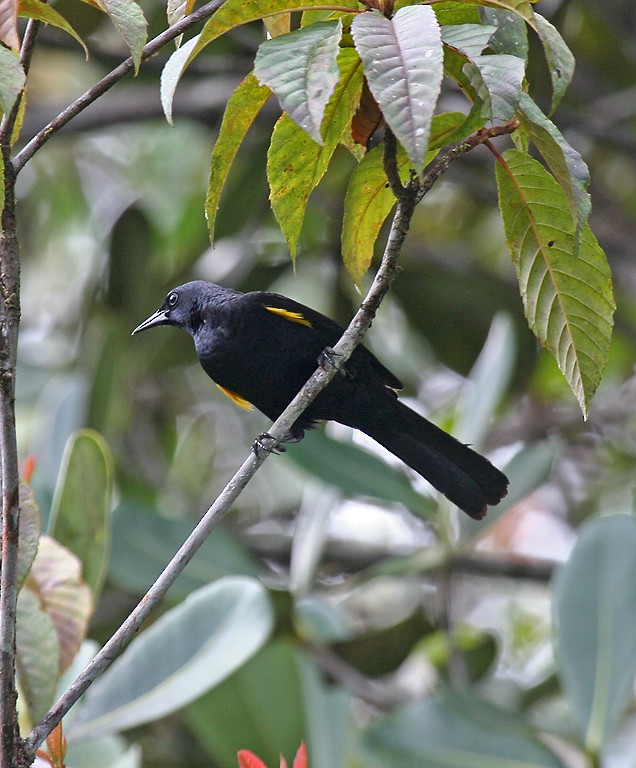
x,y
111,217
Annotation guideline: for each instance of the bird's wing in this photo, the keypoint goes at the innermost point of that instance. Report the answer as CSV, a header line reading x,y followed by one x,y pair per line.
x,y
328,329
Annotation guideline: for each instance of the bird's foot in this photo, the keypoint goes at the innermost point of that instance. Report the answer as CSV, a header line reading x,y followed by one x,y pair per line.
x,y
266,444
328,358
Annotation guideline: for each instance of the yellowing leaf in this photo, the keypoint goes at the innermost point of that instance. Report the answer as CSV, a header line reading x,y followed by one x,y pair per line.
x,y
35,9
296,164
244,104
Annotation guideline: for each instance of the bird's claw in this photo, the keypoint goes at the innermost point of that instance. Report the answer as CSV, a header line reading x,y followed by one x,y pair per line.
x,y
266,444
328,358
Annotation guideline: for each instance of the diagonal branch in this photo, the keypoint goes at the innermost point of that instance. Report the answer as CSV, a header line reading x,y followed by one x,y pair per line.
x,y
109,80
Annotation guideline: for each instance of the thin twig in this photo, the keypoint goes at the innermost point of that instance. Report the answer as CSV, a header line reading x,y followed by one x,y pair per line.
x,y
107,82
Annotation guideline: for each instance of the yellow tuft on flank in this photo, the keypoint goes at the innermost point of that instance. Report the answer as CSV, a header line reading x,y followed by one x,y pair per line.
x,y
240,401
293,317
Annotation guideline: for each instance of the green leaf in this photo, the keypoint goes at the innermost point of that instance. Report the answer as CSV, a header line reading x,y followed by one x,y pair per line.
x,y
35,9
449,13
470,39
12,79
56,575
301,68
296,163
559,57
80,512
369,200
595,604
242,108
568,300
458,731
253,710
37,654
186,652
131,24
403,64
143,543
498,80
522,8
564,161
357,472
511,35
29,532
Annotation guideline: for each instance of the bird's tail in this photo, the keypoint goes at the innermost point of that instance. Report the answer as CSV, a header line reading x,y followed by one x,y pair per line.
x,y
464,476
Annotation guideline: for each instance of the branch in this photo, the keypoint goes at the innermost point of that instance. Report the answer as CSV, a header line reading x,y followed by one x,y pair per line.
x,y
9,474
107,82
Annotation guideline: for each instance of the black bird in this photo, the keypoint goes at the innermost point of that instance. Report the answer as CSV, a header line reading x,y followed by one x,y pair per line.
x,y
260,348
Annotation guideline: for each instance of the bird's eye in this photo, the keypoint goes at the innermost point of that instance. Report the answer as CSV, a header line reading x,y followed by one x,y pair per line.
x,y
173,298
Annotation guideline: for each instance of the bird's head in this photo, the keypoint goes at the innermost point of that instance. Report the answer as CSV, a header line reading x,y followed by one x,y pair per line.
x,y
183,306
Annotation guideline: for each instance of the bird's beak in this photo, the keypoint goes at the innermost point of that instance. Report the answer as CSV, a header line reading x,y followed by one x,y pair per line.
x,y
160,317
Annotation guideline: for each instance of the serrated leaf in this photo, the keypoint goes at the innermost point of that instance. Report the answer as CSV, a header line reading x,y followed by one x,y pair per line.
x,y
302,70
131,24
80,511
35,9
568,299
56,574
12,79
564,161
595,603
470,39
37,654
403,64
498,80
9,24
186,652
296,163
242,108
559,57
29,532
369,200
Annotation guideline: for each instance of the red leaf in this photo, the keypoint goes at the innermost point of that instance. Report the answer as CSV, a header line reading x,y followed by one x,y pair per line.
x,y
300,761
247,759
367,119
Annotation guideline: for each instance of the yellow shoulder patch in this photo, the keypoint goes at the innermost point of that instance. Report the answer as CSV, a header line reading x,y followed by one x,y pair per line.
x,y
240,401
293,317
